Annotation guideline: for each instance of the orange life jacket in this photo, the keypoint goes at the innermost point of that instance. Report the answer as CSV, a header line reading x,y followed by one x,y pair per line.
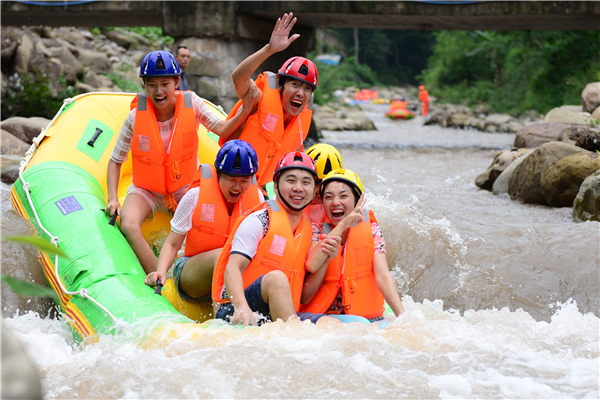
x,y
398,105
154,168
352,272
424,96
211,222
316,213
264,129
281,249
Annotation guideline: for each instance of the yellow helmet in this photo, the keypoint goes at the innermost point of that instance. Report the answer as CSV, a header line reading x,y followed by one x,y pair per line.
x,y
346,176
327,158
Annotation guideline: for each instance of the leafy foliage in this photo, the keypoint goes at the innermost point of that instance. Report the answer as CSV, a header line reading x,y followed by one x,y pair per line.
x,y
513,71
347,73
30,95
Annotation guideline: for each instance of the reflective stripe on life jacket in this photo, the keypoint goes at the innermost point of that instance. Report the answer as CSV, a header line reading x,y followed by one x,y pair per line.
x,y
264,129
353,272
211,222
154,168
280,249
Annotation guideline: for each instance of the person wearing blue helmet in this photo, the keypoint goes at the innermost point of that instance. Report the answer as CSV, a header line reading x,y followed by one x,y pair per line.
x,y
217,196
161,133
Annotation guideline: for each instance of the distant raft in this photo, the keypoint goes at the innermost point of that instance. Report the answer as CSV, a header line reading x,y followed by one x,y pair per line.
x,y
400,114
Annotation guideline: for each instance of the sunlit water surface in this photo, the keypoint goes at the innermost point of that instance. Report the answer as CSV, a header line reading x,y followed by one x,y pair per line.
x,y
501,298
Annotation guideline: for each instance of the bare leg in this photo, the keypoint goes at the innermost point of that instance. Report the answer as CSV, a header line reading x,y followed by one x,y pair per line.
x,y
328,320
197,273
135,210
275,290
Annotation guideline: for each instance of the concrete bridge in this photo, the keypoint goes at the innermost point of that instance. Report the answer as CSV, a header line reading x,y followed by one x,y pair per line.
x,y
254,19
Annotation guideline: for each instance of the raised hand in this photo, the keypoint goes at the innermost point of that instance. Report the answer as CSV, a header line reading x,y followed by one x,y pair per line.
x,y
280,38
356,216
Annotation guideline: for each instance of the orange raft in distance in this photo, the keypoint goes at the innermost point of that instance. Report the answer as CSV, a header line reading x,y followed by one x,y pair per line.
x,y
400,114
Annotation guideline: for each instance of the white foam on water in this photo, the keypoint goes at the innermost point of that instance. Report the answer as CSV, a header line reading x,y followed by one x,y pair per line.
x,y
425,353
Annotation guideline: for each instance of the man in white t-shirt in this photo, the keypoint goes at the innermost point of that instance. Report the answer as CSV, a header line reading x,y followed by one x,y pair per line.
x,y
262,266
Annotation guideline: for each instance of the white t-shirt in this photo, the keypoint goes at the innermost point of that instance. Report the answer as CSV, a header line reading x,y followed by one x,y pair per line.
x,y
250,233
204,116
181,223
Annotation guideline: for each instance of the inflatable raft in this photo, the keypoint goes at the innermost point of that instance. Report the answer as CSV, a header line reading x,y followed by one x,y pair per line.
x,y
62,191
400,114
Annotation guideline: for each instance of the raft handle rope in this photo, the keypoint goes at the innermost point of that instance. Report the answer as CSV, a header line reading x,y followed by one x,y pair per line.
x,y
54,239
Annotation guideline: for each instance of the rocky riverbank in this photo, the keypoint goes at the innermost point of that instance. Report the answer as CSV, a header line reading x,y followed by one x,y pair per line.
x,y
555,162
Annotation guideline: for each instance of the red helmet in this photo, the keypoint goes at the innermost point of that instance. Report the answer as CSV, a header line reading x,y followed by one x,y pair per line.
x,y
295,160
302,69
421,87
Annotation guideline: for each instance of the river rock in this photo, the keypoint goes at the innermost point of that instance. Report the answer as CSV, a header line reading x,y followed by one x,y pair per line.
x,y
501,183
20,378
560,183
534,135
496,120
524,184
459,120
584,136
590,97
23,55
66,57
12,145
9,168
586,205
596,114
10,42
565,115
25,128
95,61
501,160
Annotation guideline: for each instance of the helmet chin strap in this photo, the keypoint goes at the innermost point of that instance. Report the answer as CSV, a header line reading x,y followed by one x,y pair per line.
x,y
288,205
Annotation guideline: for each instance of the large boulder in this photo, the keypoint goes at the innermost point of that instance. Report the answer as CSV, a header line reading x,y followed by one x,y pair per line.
x,y
12,145
590,97
501,160
524,184
560,183
586,205
567,116
501,183
534,135
25,128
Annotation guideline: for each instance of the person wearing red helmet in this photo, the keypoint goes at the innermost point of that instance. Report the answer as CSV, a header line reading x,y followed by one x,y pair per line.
x,y
281,122
262,266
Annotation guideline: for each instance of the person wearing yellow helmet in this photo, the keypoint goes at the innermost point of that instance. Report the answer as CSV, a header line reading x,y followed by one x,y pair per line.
x,y
357,279
327,158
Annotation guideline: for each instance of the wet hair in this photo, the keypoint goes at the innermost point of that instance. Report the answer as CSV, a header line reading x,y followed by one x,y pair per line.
x,y
354,190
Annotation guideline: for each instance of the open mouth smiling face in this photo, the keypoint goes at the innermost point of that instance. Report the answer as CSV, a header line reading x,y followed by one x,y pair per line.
x,y
338,201
233,187
295,96
160,90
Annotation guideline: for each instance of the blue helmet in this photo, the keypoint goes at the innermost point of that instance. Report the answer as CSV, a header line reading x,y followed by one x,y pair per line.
x,y
159,63
237,158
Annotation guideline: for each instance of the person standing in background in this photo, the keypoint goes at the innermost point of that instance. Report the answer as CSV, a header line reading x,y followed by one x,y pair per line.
x,y
183,55
424,96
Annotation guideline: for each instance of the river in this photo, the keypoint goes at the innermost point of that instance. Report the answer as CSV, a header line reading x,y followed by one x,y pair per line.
x,y
502,299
